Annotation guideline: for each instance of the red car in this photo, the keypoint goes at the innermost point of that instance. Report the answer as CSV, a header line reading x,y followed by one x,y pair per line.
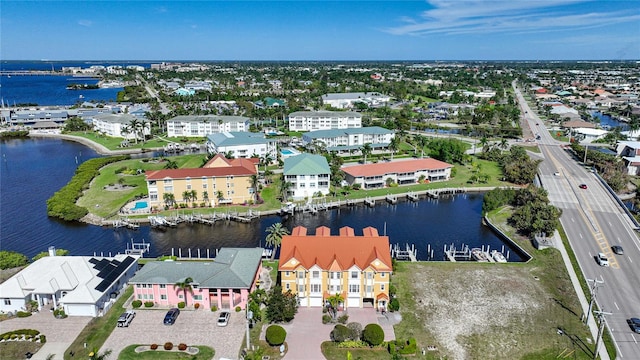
x,y
582,186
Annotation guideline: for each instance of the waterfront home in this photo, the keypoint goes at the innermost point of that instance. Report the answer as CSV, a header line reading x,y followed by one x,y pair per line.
x,y
225,181
401,172
324,120
203,125
315,267
308,175
224,282
119,125
32,117
629,151
350,139
242,144
348,100
80,285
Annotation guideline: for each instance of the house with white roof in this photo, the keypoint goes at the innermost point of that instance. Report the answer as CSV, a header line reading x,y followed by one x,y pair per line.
x,y
587,135
308,175
324,120
80,285
118,125
347,100
203,125
629,151
242,144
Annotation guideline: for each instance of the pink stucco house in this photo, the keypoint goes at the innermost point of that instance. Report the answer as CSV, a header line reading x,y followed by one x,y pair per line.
x,y
224,282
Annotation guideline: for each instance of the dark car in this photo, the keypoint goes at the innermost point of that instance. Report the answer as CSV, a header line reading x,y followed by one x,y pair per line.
x,y
634,324
582,186
171,316
617,249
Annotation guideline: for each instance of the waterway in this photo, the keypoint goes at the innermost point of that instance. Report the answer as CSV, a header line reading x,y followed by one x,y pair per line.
x,y
608,122
33,169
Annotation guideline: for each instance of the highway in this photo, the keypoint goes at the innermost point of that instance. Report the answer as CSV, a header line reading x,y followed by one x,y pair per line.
x,y
593,222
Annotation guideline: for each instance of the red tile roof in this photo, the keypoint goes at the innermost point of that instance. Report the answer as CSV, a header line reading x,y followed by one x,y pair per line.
x,y
335,252
404,166
232,167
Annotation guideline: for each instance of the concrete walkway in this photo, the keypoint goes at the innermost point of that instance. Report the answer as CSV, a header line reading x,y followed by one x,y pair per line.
x,y
593,327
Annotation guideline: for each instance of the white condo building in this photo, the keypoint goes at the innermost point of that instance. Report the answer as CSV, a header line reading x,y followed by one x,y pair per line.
x,y
119,125
241,144
324,120
203,125
347,100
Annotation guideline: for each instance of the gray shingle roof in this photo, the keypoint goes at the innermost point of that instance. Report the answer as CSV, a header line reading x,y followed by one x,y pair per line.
x,y
237,138
370,130
233,268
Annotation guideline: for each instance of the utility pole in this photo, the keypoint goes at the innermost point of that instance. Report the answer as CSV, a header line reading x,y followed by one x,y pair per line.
x,y
593,289
601,323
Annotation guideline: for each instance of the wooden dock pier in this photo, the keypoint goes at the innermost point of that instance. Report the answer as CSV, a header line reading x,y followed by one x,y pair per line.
x,y
412,196
391,199
409,253
369,202
138,248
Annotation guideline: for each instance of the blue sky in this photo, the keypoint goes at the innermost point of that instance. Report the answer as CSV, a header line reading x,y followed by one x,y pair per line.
x,y
320,30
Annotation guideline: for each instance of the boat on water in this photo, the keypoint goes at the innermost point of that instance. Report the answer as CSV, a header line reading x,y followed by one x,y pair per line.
x,y
81,96
498,256
289,208
478,255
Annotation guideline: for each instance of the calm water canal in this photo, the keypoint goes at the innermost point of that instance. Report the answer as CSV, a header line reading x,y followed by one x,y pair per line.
x,y
33,169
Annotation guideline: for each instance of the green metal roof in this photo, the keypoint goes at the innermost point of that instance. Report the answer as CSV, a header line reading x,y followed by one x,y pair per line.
x,y
233,268
306,164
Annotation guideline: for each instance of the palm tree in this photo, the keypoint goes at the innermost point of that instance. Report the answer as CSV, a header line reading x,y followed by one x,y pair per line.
x,y
133,125
284,188
205,197
504,144
169,199
366,149
274,239
193,195
219,196
253,180
335,301
422,142
186,196
485,144
393,145
185,286
266,160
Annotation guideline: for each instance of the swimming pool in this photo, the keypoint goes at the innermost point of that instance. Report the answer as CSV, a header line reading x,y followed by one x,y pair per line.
x,y
140,205
286,152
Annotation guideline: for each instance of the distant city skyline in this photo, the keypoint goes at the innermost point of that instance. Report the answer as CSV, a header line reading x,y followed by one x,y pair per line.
x,y
320,30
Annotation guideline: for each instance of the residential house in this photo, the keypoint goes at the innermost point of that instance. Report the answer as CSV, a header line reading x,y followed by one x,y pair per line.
x,y
586,135
80,285
203,125
308,174
403,172
225,282
242,144
324,120
629,151
350,139
31,117
119,125
316,267
225,181
347,100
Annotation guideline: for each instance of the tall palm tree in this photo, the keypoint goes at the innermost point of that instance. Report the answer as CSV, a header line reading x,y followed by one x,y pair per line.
x,y
186,196
366,149
193,195
422,142
284,188
133,125
393,145
185,286
253,180
205,197
169,199
335,301
266,160
274,239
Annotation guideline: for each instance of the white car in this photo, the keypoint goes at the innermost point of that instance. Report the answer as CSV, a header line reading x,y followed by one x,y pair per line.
x,y
125,319
223,318
602,259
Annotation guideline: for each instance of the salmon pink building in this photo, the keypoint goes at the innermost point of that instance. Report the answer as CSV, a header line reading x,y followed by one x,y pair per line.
x,y
224,282
402,172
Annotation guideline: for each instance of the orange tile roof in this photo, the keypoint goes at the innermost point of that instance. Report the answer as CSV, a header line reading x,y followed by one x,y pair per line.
x,y
403,166
216,167
335,252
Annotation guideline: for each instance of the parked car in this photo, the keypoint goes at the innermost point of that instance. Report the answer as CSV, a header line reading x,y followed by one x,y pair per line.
x,y
634,324
556,174
125,319
171,316
223,318
602,259
617,249
582,186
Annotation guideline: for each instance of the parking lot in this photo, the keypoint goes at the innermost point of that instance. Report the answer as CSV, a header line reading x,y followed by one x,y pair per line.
x,y
193,327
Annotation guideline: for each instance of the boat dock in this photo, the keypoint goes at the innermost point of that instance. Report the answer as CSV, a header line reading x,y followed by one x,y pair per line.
x,y
138,248
480,254
409,253
125,222
369,202
435,193
391,199
412,196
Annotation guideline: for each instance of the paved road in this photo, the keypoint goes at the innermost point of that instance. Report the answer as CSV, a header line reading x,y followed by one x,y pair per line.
x,y
594,222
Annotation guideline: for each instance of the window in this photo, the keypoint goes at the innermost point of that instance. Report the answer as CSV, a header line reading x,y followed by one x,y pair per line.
x,y
286,273
301,288
315,274
381,287
197,297
163,286
139,296
180,296
7,301
336,275
144,286
144,296
382,275
150,296
354,274
369,288
163,297
300,274
287,286
316,288
369,275
138,286
354,288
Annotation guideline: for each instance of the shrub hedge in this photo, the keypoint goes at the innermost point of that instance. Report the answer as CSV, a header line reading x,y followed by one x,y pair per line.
x,y
373,334
340,333
275,335
23,314
63,203
181,305
148,304
136,303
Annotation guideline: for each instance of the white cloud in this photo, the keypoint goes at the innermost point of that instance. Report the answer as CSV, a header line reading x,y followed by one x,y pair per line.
x,y
478,16
86,23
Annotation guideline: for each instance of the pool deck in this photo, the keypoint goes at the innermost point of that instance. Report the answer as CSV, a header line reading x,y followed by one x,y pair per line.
x,y
130,208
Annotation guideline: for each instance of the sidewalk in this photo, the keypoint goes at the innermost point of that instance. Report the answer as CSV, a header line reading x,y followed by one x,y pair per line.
x,y
593,327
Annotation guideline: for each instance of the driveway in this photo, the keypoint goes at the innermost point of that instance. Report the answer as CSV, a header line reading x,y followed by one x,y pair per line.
x,y
60,333
306,332
193,327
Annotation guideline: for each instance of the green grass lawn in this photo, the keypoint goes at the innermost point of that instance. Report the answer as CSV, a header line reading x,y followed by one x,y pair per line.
x,y
331,351
15,350
98,330
129,353
559,135
113,143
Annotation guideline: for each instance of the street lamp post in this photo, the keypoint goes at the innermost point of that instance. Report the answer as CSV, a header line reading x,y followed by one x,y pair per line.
x,y
249,317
